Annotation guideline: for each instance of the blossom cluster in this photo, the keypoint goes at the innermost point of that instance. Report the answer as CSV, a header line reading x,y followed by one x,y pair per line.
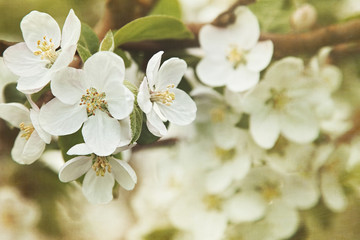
x,y
95,101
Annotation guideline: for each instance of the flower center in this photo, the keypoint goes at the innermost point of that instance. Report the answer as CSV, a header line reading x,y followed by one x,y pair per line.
x,y
165,97
100,165
27,129
225,155
236,56
278,99
217,115
94,100
47,51
270,191
212,202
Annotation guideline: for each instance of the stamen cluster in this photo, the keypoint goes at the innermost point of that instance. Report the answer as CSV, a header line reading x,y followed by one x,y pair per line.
x,y
93,100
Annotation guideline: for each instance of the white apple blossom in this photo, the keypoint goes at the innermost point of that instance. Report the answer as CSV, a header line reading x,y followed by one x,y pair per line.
x,y
94,97
100,173
233,55
160,99
282,103
37,59
32,139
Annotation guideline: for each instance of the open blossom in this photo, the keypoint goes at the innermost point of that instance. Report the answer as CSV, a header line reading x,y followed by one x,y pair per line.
x,y
31,141
38,58
100,173
233,55
94,97
159,98
282,103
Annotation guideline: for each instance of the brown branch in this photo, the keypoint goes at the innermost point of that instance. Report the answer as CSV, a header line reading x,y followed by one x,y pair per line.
x,y
353,132
228,17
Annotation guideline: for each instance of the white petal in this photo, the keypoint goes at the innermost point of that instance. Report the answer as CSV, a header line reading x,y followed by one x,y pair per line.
x,y
98,189
101,133
71,30
242,79
58,118
183,109
68,85
245,207
333,194
22,62
75,168
246,30
225,135
14,113
34,115
170,73
33,84
217,180
120,101
283,220
260,56
153,68
125,131
103,68
123,173
27,151
155,124
143,97
213,72
65,57
37,25
299,124
79,149
264,128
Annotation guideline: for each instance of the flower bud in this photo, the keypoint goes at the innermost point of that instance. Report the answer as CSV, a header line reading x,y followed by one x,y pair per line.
x,y
303,18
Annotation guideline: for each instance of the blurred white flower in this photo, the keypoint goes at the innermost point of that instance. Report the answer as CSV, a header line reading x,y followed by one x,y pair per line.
x,y
94,96
282,103
160,99
37,59
18,216
100,173
32,139
304,17
233,55
6,76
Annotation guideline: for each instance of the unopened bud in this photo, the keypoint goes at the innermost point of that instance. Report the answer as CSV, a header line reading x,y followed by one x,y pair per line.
x,y
303,18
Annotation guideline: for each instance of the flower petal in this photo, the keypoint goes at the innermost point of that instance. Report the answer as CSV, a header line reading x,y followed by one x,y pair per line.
x,y
98,189
182,111
242,79
333,194
170,73
27,151
264,128
120,100
68,85
14,113
245,207
79,149
71,30
37,25
102,133
153,68
75,168
22,62
34,116
212,72
143,97
103,68
155,124
299,124
123,173
64,58
125,132
260,56
58,118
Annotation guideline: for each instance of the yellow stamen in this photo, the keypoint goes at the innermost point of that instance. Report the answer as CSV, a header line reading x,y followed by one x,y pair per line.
x,y
46,50
236,56
165,97
279,99
100,165
27,129
94,100
213,202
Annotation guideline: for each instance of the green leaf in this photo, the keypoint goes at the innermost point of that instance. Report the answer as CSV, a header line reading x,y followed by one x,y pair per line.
x,y
136,121
84,53
125,56
88,39
152,28
107,44
11,94
68,141
167,7
131,87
